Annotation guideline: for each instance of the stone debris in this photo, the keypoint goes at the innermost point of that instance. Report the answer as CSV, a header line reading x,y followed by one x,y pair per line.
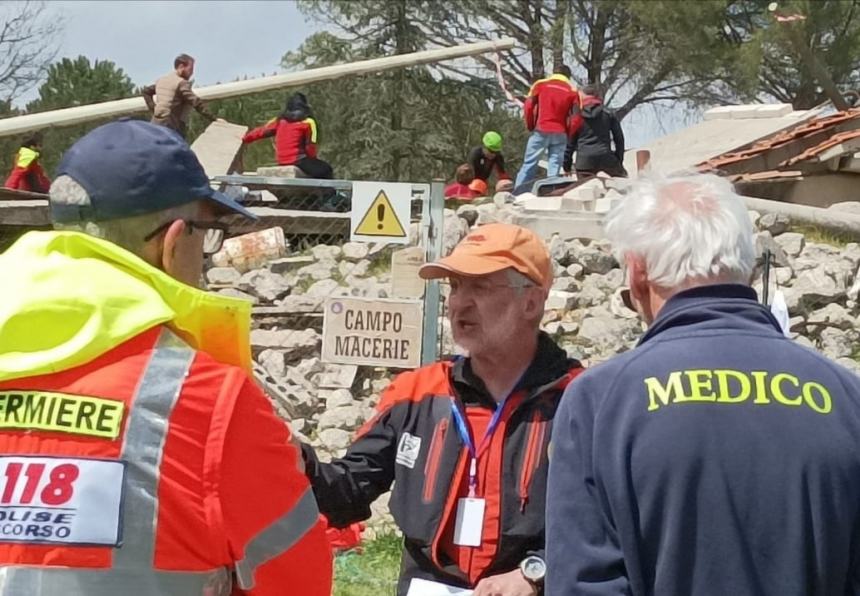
x,y
328,403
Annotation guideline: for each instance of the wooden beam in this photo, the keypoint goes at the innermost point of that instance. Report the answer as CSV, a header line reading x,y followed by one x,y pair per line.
x,y
34,213
133,105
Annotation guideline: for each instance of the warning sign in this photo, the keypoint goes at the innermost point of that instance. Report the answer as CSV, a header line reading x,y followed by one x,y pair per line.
x,y
373,332
380,212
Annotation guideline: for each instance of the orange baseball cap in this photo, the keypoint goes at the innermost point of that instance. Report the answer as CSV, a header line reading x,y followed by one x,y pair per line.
x,y
493,247
479,186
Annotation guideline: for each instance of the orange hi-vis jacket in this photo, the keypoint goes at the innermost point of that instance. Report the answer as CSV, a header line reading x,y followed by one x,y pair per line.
x,y
152,468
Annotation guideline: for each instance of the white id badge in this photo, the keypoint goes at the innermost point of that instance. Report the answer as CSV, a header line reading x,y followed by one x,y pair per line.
x,y
469,522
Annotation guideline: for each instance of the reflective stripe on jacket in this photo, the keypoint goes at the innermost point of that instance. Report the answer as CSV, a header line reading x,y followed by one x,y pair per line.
x,y
177,535
108,363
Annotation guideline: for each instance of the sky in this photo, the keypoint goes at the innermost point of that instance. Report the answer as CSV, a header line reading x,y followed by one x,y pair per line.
x,y
229,40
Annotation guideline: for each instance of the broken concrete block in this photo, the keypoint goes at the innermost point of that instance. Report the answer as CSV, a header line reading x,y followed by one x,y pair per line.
x,y
773,110
218,147
719,113
281,172
529,202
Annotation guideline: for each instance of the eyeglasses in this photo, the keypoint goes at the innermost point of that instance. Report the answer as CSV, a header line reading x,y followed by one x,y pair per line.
x,y
480,287
212,241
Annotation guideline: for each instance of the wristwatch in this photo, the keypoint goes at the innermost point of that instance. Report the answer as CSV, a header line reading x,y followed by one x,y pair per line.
x,y
533,569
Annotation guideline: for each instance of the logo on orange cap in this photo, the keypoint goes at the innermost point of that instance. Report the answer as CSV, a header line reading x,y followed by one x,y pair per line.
x,y
492,248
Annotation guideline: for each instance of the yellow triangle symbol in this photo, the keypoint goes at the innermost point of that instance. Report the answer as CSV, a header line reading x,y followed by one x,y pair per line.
x,y
380,219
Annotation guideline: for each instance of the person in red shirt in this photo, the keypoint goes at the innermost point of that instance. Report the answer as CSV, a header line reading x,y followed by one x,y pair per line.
x,y
27,173
295,132
549,114
460,189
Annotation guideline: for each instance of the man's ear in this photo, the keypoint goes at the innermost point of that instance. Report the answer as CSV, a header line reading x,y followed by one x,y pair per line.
x,y
168,251
534,304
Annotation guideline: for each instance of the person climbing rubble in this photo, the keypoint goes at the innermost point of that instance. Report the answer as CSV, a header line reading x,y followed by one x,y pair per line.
x,y
295,131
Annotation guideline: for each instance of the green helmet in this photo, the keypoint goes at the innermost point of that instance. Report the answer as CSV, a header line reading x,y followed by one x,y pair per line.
x,y
493,141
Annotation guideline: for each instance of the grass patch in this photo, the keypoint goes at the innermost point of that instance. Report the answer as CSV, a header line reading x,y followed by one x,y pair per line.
x,y
821,235
371,572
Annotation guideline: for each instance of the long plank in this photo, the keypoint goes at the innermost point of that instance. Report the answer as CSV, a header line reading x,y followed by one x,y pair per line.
x,y
109,109
25,213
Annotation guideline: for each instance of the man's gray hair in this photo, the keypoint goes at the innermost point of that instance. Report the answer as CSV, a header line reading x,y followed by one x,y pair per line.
x,y
128,232
689,230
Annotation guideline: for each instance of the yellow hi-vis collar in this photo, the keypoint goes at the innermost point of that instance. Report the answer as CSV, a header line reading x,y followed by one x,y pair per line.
x,y
68,298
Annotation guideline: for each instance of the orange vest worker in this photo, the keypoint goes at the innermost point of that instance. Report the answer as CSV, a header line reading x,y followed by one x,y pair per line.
x,y
137,455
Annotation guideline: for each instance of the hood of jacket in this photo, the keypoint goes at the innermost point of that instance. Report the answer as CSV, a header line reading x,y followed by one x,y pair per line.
x,y
71,298
592,107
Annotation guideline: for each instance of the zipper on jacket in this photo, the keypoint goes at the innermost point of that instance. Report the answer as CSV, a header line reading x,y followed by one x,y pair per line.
x,y
531,460
431,468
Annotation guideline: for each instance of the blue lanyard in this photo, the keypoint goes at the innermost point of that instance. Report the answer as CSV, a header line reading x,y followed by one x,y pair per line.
x,y
466,436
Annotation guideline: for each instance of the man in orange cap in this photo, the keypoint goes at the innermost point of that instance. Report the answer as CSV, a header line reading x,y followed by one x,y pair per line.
x,y
464,441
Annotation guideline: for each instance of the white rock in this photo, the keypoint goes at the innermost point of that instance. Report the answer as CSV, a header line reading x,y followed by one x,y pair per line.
x,y
782,275
455,229
319,270
833,315
812,289
359,269
325,252
323,288
754,217
355,251
267,286
558,300
765,241
222,276
338,398
594,260
775,223
565,284
273,362
603,332
838,344
558,250
334,438
792,243
346,417
575,271
339,376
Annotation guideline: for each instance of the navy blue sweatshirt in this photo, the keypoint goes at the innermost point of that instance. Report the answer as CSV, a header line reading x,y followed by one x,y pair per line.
x,y
716,458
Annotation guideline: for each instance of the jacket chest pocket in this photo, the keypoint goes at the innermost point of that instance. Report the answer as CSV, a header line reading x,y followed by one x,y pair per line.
x,y
434,456
534,453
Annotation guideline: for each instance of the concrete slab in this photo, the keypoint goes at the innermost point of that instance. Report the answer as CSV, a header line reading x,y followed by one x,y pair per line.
x,y
280,172
567,225
529,202
20,212
218,147
773,110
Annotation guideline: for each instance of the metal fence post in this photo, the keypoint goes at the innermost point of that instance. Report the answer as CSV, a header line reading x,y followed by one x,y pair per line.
x,y
432,223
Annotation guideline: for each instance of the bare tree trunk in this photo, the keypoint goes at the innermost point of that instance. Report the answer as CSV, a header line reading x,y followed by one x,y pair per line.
x,y
562,7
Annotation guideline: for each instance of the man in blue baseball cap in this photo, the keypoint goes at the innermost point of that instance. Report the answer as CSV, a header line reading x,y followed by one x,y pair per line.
x,y
128,394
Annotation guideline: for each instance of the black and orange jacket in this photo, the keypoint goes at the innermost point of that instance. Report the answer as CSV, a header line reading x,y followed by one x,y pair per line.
x,y
295,139
413,443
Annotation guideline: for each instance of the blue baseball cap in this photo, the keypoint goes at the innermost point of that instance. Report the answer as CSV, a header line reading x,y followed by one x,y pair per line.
x,y
131,167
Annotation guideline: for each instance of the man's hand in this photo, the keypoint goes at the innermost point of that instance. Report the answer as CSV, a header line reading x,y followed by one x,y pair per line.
x,y
511,583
